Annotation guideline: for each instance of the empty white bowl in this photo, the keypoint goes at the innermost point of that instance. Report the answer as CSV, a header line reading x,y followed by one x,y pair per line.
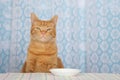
x,y
64,71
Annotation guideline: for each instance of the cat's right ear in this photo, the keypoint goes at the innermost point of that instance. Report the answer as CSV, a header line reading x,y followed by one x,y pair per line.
x,y
33,17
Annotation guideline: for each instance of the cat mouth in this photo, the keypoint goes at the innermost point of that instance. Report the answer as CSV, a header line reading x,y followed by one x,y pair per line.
x,y
42,38
45,39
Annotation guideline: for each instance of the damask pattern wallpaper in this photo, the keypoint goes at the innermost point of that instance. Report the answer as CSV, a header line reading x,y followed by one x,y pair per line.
x,y
88,32
103,27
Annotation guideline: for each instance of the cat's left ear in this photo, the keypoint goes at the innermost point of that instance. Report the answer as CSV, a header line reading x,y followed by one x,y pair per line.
x,y
33,17
54,19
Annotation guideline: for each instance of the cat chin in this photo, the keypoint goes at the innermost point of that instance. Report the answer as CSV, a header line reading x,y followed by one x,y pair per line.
x,y
43,40
46,40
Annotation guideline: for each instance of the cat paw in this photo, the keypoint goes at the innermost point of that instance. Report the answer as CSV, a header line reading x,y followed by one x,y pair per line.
x,y
29,70
49,66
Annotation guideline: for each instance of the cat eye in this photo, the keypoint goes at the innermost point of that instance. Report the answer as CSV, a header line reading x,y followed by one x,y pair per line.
x,y
37,28
48,29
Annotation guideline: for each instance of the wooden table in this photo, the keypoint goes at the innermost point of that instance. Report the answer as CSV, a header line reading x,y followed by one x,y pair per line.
x,y
48,76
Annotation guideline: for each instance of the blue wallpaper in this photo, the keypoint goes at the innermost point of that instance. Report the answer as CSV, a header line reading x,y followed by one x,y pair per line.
x,y
88,32
103,28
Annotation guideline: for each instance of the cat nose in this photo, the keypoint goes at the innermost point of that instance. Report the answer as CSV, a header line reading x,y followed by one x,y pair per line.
x,y
43,32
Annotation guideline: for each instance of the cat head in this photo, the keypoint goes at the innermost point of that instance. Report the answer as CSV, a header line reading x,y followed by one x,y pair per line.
x,y
43,30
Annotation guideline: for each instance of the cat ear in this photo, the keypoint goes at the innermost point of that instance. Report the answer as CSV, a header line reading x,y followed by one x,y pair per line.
x,y
33,17
54,19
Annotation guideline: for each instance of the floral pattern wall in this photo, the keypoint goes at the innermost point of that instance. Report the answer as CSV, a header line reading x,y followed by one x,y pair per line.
x,y
103,36
88,32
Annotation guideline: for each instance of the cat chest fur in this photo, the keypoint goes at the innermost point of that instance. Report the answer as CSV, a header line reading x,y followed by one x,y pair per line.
x,y
42,48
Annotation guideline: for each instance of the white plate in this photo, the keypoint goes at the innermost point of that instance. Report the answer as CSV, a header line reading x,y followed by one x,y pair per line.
x,y
64,71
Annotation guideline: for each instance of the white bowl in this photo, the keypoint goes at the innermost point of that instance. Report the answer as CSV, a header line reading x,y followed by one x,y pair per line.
x,y
64,71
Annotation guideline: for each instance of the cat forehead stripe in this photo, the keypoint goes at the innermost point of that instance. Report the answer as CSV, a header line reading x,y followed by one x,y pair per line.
x,y
42,23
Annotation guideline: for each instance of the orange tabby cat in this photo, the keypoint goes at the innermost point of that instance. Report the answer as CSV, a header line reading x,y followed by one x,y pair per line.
x,y
42,50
